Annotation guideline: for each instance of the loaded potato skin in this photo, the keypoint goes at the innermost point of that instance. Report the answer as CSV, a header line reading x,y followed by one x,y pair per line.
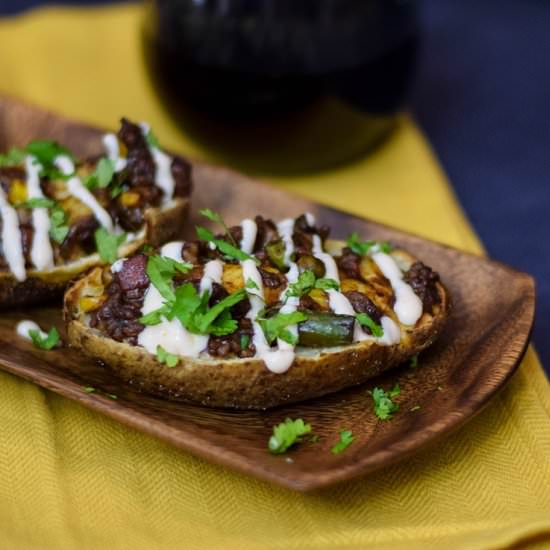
x,y
306,316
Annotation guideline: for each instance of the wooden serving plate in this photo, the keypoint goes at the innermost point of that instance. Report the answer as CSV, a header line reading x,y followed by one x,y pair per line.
x,y
480,348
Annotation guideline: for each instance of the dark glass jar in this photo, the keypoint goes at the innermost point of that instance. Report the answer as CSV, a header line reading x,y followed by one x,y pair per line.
x,y
292,83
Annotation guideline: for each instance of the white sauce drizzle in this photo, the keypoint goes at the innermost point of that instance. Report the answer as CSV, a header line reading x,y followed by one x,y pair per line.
x,y
164,179
408,306
213,273
110,142
342,306
11,239
77,190
250,230
117,266
171,335
41,249
24,327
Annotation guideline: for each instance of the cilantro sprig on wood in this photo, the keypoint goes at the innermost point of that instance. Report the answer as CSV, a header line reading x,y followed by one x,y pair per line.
x,y
362,248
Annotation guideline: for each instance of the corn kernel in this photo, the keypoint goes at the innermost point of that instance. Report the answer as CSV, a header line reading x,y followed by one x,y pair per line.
x,y
88,304
129,198
18,192
122,151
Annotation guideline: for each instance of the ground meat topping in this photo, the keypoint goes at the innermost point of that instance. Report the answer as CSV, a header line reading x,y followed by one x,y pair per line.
x,y
423,281
349,263
363,304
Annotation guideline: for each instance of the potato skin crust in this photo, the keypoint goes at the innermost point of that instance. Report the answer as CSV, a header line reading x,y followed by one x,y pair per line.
x,y
247,383
161,225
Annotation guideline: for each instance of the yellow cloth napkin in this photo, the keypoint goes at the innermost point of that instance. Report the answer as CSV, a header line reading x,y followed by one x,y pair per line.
x,y
73,479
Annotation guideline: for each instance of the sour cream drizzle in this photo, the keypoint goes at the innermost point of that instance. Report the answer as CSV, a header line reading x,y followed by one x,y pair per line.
x,y
110,142
77,190
171,335
12,242
41,249
213,273
408,306
24,327
163,167
342,306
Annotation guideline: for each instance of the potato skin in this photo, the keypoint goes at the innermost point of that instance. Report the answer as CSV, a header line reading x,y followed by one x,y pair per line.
x,y
247,383
161,225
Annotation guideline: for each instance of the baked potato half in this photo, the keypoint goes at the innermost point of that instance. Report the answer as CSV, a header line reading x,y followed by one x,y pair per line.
x,y
61,217
277,314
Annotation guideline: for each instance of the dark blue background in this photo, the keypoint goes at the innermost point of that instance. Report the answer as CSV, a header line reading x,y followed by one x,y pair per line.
x,y
483,98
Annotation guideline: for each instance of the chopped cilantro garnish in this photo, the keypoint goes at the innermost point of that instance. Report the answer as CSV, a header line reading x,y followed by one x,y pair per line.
x,y
251,284
384,407
277,326
152,139
415,408
414,361
169,359
102,175
38,202
216,218
304,283
286,434
107,244
245,341
88,389
363,247
326,284
111,396
346,439
193,312
224,247
45,152
367,321
13,157
44,342
116,190
58,227
161,271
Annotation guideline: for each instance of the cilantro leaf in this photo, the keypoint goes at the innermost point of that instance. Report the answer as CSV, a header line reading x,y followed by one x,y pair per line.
x,y
251,284
326,284
304,283
346,439
286,434
88,389
245,341
223,246
45,152
206,319
161,270
154,317
102,175
216,218
363,247
169,359
276,326
384,407
13,157
107,244
45,342
186,302
367,321
58,227
38,202
152,139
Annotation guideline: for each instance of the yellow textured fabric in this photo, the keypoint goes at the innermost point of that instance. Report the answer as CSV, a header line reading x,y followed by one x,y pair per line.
x,y
73,479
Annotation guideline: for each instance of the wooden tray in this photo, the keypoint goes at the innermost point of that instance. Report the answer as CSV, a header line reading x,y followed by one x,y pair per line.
x,y
481,346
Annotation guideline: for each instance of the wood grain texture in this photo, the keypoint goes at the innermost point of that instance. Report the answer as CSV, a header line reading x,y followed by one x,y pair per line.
x,y
485,338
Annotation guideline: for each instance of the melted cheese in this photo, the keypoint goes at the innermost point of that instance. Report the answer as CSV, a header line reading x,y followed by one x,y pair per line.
x,y
408,306
41,249
12,243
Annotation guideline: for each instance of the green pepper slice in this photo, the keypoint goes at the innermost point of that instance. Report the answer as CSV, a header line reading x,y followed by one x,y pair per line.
x,y
322,330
